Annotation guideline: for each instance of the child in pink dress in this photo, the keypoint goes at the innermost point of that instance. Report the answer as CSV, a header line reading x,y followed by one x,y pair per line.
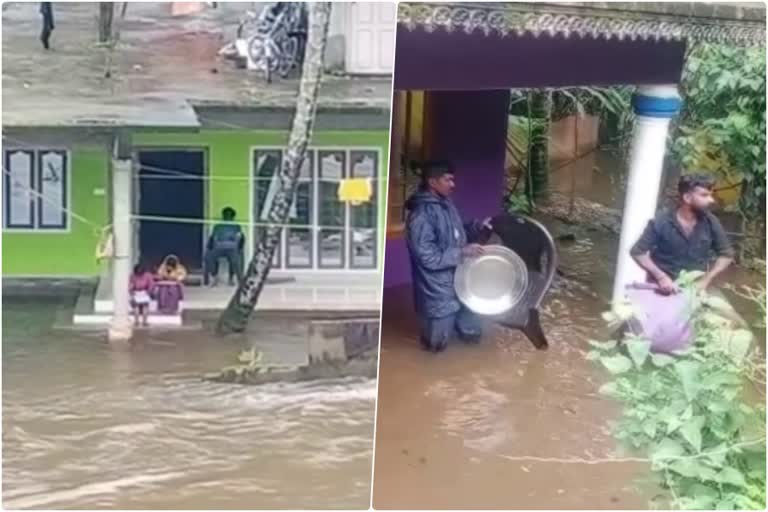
x,y
141,286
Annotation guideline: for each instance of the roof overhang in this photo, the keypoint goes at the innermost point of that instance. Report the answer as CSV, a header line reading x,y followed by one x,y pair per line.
x,y
740,24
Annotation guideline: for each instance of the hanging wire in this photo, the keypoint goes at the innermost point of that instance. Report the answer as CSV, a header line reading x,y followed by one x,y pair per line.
x,y
257,224
185,220
178,174
67,210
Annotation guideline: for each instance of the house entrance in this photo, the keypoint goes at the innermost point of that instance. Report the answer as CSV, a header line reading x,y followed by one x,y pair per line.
x,y
172,186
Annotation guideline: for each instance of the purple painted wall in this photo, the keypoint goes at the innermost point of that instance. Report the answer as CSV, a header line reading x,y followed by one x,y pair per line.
x,y
470,131
460,61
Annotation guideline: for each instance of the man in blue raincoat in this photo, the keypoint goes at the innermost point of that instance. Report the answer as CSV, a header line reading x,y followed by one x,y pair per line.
x,y
437,243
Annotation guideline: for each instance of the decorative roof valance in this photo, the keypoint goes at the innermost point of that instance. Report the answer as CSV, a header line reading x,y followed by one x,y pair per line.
x,y
741,26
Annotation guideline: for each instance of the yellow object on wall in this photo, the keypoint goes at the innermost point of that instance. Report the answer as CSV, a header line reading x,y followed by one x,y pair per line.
x,y
355,190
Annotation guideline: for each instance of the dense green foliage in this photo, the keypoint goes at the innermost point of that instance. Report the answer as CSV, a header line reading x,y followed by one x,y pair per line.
x,y
688,412
722,126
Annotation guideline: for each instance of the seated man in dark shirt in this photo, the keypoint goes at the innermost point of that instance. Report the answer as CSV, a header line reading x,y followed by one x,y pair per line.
x,y
226,241
684,238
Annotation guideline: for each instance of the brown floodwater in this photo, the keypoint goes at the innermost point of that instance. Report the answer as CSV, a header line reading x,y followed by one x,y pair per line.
x,y
86,426
451,427
447,424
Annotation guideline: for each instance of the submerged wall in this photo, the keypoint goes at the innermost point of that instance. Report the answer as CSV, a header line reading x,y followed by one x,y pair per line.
x,y
470,131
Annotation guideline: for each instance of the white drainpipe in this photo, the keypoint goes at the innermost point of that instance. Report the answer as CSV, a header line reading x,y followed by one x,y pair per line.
x,y
655,106
121,327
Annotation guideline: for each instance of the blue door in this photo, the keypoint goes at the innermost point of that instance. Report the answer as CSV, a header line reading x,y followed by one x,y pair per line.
x,y
172,195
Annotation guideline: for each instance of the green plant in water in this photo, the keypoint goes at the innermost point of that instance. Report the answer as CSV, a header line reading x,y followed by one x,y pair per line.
x,y
687,411
517,202
250,362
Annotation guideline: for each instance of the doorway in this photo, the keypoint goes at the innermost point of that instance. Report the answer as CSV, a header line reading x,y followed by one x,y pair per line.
x,y
172,186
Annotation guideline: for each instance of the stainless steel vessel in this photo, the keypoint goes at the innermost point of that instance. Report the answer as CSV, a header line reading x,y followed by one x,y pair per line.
x,y
492,283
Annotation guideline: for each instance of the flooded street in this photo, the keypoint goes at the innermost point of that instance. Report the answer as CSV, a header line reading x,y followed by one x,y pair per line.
x,y
85,426
452,427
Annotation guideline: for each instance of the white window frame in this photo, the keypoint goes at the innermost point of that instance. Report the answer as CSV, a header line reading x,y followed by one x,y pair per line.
x,y
282,250
37,199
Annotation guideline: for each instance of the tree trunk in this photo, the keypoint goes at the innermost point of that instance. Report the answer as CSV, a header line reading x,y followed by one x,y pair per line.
x,y
235,317
541,111
106,15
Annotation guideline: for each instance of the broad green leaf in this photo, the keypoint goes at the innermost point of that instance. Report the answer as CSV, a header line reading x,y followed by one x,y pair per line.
x,y
593,355
603,345
715,319
718,406
706,474
638,350
667,449
688,371
686,467
623,311
610,389
717,454
697,503
616,364
732,476
650,427
661,360
704,491
739,343
691,432
671,415
717,303
755,461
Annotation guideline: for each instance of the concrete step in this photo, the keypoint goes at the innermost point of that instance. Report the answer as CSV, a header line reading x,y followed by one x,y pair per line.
x,y
103,319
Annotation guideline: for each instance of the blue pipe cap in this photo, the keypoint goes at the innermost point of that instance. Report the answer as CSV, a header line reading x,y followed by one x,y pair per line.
x,y
653,106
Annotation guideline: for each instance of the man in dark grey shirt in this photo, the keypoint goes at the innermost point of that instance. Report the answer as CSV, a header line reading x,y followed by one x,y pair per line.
x,y
685,238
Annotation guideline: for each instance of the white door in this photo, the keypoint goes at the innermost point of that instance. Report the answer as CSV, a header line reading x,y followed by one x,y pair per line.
x,y
370,37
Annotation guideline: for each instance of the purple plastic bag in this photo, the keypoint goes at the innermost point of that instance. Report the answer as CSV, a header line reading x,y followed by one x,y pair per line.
x,y
662,319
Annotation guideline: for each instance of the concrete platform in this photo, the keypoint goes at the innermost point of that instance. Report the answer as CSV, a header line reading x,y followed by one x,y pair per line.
x,y
288,292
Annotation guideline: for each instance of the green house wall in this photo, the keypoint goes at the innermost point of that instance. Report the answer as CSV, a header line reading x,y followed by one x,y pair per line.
x,y
228,155
72,253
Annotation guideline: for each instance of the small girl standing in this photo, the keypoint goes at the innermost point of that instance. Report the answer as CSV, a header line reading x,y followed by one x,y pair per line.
x,y
141,286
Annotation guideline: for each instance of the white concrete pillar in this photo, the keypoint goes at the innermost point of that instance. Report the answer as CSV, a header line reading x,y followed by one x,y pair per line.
x,y
655,106
121,327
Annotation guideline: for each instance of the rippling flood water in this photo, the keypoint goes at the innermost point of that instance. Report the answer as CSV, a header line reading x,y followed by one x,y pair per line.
x,y
452,427
85,426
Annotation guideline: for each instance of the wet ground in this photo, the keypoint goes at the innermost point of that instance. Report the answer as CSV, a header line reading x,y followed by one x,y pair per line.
x,y
139,84
86,426
450,426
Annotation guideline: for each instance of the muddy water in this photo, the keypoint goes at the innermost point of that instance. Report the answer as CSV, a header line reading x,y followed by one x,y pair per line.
x,y
85,426
452,428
